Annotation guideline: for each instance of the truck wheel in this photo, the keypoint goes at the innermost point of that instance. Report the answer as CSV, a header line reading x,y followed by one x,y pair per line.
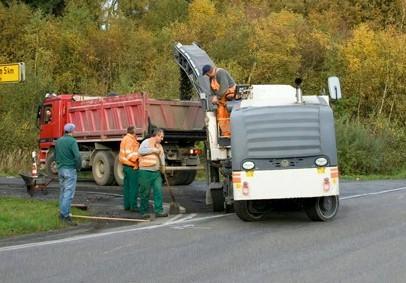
x,y
321,208
118,171
217,196
177,178
102,169
50,164
181,178
245,210
190,177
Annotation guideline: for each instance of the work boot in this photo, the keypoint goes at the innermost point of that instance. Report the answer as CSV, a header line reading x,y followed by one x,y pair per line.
x,y
145,216
161,214
67,221
70,222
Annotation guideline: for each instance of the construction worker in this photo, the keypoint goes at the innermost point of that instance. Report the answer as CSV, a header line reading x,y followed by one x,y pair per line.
x,y
152,163
68,161
223,86
129,159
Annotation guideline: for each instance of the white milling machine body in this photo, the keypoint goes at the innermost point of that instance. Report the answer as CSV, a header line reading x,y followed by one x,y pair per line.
x,y
282,147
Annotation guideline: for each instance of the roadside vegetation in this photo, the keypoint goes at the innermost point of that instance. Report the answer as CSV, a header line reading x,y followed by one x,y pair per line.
x,y
23,216
14,162
93,48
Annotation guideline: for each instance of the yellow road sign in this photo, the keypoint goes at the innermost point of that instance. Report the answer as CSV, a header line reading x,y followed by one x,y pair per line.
x,y
12,73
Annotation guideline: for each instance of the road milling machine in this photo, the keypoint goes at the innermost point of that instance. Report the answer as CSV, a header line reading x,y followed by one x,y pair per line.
x,y
282,145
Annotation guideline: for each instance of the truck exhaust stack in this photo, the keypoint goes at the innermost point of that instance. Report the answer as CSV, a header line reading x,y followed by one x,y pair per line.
x,y
299,98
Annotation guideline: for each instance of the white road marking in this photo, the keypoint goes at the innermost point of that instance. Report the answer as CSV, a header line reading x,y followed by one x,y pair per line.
x,y
373,193
190,226
182,227
174,219
177,219
92,236
187,219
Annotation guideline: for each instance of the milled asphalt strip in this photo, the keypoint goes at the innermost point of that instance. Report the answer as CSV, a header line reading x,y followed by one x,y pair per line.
x,y
374,193
187,219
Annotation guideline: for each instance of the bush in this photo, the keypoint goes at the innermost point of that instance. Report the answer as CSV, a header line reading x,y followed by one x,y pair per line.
x,y
15,161
370,148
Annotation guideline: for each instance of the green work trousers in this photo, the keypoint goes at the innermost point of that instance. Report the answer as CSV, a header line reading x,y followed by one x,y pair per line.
x,y
150,179
130,187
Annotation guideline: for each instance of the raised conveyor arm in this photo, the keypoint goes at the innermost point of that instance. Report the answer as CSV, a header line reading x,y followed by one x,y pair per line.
x,y
191,59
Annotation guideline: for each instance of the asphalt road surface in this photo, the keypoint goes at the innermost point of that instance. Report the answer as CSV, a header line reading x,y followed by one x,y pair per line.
x,y
366,242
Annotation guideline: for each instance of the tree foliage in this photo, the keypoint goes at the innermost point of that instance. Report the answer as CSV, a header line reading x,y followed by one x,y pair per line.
x,y
97,47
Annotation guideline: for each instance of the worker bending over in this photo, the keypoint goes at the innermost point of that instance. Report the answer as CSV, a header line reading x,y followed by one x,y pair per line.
x,y
152,163
223,86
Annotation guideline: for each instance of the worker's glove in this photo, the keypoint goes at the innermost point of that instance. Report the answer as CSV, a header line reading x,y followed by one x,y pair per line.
x,y
214,100
162,169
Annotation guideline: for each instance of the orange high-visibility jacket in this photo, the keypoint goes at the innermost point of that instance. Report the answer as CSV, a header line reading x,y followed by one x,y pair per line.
x,y
148,159
129,151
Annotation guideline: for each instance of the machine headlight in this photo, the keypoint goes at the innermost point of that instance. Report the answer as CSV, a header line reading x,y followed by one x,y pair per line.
x,y
321,161
248,165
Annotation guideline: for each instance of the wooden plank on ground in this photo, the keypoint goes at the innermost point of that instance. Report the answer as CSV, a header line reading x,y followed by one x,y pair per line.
x,y
110,218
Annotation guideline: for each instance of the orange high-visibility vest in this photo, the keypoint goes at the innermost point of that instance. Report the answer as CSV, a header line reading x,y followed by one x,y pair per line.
x,y
152,159
215,86
129,151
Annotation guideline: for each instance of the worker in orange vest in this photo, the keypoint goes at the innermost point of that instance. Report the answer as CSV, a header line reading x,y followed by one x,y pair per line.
x,y
223,86
152,164
129,159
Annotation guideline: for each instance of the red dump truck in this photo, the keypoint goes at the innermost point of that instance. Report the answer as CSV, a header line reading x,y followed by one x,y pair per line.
x,y
101,122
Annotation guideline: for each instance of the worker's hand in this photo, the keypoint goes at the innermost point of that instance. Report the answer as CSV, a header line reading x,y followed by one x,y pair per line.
x,y
230,96
156,150
214,100
162,169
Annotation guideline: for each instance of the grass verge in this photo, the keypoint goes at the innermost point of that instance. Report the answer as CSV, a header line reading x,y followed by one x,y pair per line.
x,y
23,216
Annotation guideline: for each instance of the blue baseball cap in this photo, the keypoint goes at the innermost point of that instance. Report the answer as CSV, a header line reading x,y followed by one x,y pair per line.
x,y
69,128
206,69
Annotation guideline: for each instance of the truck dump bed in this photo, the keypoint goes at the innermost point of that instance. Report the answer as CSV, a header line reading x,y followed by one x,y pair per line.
x,y
107,118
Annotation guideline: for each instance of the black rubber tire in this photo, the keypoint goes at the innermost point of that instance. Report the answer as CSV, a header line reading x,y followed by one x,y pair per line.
x,y
191,175
322,208
50,164
181,178
103,168
243,211
218,199
177,178
118,171
229,208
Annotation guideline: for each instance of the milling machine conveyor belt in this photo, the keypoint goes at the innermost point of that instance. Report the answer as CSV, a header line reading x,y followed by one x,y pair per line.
x,y
191,59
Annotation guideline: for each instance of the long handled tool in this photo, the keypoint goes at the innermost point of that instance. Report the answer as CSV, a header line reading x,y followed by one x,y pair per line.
x,y
174,207
110,218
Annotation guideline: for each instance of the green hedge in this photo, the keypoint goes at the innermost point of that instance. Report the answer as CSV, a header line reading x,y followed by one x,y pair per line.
x,y
370,148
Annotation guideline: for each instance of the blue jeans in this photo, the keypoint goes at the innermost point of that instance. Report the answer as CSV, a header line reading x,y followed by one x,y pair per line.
x,y
67,185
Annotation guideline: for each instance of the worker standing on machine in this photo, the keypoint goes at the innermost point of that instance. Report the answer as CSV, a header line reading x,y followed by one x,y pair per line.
x,y
223,86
